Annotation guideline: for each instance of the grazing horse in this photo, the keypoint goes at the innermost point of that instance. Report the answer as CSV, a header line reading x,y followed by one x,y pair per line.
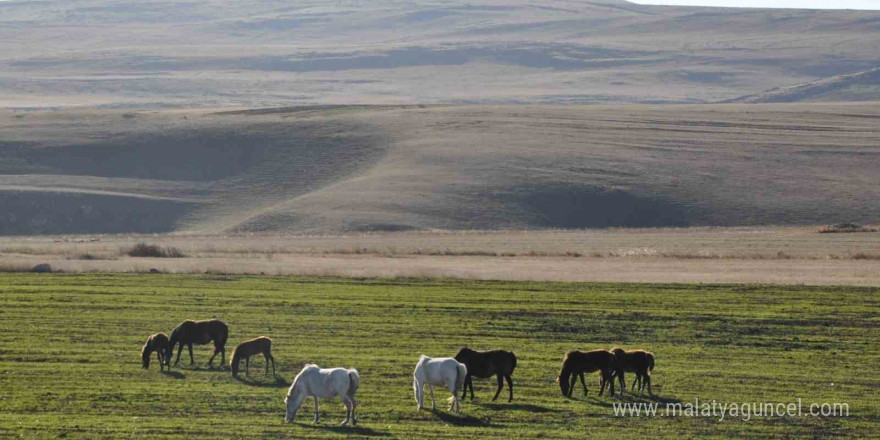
x,y
442,372
485,364
576,363
639,362
157,343
191,332
249,348
325,383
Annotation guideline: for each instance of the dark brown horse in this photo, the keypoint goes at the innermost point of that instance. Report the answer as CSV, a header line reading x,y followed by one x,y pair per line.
x,y
191,332
576,363
639,362
486,364
157,343
249,348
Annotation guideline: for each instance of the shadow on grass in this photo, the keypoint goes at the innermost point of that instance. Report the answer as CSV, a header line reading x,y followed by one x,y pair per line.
x,y
517,407
277,382
348,430
608,402
461,420
174,374
202,368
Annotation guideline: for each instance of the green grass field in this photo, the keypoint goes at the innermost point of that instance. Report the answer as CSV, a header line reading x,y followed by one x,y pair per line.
x,y
70,355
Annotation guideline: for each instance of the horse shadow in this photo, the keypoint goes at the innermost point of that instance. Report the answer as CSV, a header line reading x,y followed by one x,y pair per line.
x,y
349,431
517,407
461,419
174,374
277,382
203,368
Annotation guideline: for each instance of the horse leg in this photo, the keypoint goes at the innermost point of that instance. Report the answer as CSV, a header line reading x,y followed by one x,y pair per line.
x,y
610,379
159,355
179,350
266,358
621,379
509,387
348,409
637,381
500,385
247,366
572,382
469,382
317,417
433,403
354,404
583,382
192,360
464,392
273,364
211,361
648,380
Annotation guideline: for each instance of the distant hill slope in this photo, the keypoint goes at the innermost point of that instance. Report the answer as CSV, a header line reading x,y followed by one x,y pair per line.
x,y
331,169
124,53
859,86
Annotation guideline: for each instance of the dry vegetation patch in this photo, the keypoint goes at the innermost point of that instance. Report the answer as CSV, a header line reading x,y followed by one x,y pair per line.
x,y
845,228
145,250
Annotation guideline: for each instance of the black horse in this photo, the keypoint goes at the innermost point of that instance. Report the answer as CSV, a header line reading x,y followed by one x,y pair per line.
x,y
486,364
576,363
191,332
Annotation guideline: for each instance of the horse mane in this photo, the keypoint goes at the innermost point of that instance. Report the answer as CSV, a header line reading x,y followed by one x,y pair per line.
x,y
298,377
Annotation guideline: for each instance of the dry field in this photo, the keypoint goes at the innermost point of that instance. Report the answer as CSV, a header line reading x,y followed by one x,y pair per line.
x,y
779,255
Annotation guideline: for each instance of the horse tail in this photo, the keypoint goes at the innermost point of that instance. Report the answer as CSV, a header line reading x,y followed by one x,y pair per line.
x,y
355,378
512,362
459,378
223,336
650,363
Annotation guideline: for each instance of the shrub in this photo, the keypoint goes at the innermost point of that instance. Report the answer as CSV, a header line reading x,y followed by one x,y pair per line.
x,y
845,227
153,251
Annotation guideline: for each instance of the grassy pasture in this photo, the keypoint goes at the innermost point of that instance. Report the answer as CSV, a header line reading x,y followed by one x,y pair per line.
x,y
70,366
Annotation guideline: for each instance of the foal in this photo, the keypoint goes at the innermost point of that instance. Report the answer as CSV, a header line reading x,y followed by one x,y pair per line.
x,y
639,362
159,344
249,348
576,363
485,364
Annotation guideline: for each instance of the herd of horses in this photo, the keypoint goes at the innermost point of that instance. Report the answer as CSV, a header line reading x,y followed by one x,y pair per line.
x,y
454,373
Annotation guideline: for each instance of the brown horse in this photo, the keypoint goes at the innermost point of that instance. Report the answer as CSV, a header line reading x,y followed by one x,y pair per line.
x,y
249,348
191,332
576,363
639,362
157,343
485,364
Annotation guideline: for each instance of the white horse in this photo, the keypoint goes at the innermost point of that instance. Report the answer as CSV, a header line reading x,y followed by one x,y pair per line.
x,y
439,371
325,383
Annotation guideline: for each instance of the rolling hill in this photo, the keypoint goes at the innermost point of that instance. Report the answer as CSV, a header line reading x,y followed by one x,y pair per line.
x,y
361,168
120,53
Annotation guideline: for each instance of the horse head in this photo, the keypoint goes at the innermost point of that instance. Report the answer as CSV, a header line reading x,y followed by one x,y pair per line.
x,y
463,354
145,355
562,380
